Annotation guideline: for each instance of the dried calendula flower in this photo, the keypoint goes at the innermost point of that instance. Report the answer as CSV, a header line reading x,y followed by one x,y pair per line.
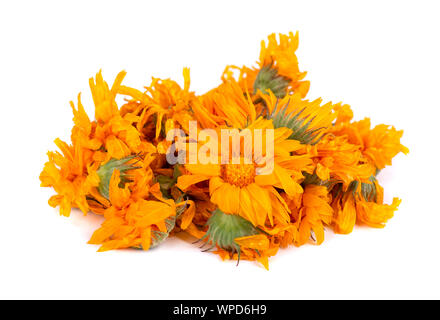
x,y
161,164
277,71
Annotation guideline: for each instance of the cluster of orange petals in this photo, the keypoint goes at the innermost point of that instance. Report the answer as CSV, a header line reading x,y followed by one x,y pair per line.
x,y
324,175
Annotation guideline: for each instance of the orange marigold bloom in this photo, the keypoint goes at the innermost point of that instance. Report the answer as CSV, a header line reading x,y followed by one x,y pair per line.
x,y
379,144
277,69
164,101
93,142
236,188
375,213
361,203
130,222
338,160
65,173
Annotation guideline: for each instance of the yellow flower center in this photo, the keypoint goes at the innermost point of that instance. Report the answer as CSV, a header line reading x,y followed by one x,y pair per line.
x,y
239,175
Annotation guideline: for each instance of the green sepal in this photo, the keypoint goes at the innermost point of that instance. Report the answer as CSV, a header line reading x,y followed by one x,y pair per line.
x,y
315,180
269,79
166,182
105,173
157,237
224,228
367,190
299,126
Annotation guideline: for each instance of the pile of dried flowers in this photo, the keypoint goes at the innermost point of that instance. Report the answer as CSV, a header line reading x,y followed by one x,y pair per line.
x,y
323,173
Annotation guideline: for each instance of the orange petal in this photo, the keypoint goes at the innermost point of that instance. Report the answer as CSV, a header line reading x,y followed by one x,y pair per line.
x,y
188,215
185,181
288,184
210,170
258,242
146,239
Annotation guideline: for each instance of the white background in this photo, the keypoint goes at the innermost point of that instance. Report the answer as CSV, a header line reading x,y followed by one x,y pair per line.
x,y
381,57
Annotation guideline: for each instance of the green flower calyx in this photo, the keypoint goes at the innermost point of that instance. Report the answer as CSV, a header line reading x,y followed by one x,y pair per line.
x,y
224,228
269,79
105,173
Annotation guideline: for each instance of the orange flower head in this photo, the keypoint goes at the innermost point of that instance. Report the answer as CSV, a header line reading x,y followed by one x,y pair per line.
x,y
165,103
277,70
236,188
